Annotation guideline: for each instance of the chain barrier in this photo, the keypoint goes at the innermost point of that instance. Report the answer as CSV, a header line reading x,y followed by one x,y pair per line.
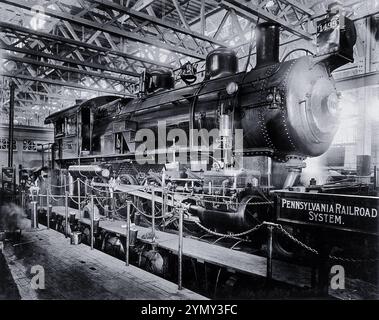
x,y
229,235
297,241
288,235
147,215
352,260
332,257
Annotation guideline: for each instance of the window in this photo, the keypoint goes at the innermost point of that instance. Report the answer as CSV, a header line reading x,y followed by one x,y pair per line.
x,y
71,125
4,144
29,145
59,127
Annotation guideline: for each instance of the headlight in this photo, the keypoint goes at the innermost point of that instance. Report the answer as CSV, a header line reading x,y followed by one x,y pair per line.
x,y
105,173
232,88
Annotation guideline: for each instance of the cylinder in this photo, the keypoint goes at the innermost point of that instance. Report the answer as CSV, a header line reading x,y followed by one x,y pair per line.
x,y
267,44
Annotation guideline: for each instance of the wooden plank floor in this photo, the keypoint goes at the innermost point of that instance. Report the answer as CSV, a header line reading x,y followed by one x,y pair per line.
x,y
214,254
77,272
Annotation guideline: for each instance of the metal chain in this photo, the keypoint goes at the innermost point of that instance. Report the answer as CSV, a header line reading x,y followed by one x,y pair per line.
x,y
147,215
230,235
332,257
291,237
353,260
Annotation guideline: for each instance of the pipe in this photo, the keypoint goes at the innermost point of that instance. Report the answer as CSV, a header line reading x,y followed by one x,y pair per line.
x,y
267,44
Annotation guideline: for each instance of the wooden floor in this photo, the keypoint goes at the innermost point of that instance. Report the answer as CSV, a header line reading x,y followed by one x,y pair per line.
x,y
77,272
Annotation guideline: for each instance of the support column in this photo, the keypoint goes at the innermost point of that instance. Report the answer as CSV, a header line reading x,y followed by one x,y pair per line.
x,y
11,124
364,138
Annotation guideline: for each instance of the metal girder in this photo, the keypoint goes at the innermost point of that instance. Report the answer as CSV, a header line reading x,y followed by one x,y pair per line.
x,y
181,14
157,21
106,28
140,61
300,7
142,4
67,60
250,10
51,66
34,99
63,83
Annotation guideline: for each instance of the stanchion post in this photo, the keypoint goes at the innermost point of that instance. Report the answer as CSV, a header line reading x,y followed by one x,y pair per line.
x,y
47,208
33,217
66,211
79,198
127,234
270,230
164,204
40,200
153,215
180,250
92,219
113,210
23,199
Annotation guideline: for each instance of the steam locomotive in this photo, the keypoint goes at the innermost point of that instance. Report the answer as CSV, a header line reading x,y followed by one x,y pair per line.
x,y
284,111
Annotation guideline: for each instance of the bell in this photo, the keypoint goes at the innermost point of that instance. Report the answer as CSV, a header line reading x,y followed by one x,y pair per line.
x,y
188,73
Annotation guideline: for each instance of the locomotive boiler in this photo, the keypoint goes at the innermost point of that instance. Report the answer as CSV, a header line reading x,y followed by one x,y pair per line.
x,y
285,111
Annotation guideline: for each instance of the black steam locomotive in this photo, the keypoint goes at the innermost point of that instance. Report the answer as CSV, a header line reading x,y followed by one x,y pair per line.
x,y
285,111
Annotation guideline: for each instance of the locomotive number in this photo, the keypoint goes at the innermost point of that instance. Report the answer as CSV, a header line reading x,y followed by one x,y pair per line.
x,y
328,25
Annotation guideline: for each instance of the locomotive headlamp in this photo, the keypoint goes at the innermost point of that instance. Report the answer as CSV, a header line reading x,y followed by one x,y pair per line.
x,y
332,104
105,173
232,88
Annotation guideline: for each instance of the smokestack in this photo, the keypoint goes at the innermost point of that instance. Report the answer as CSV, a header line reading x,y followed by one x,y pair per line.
x,y
267,44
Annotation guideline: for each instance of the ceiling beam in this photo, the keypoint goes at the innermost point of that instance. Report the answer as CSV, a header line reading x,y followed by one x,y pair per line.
x,y
80,44
181,14
249,10
37,53
106,28
142,4
157,21
65,68
63,84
